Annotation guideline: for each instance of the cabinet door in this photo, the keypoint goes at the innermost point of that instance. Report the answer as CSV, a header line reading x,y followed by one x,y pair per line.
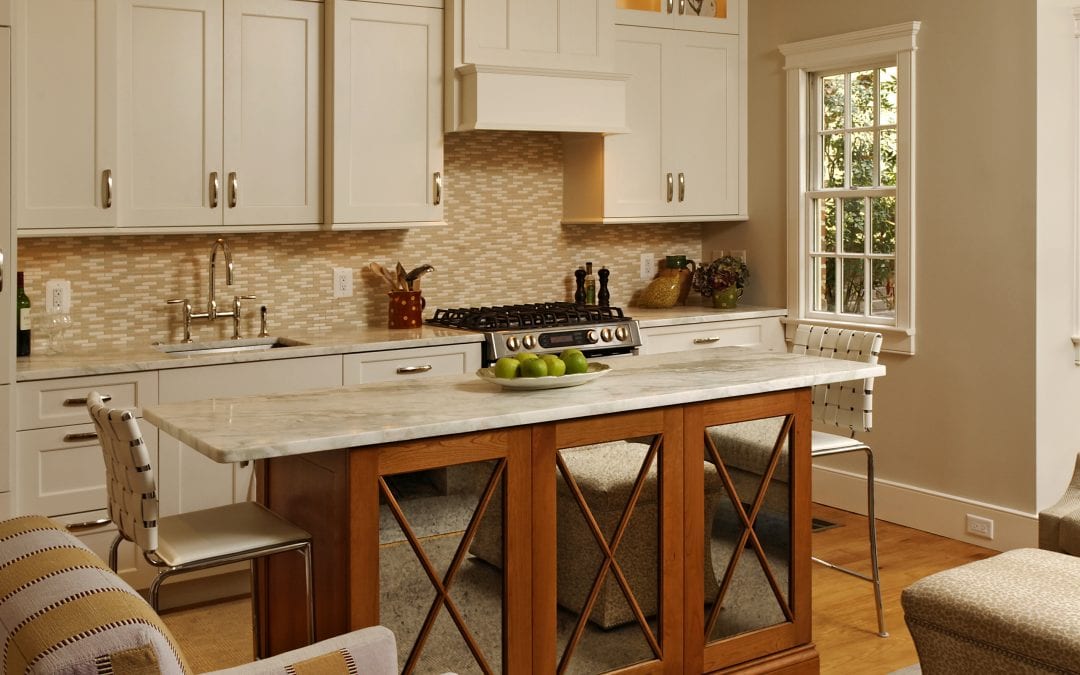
x,y
171,110
65,113
562,34
387,139
634,164
272,57
701,122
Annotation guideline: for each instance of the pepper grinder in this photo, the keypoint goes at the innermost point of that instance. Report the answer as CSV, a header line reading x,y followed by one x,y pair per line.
x,y
579,294
604,296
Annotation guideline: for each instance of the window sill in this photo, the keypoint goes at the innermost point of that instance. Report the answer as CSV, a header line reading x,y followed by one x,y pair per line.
x,y
896,340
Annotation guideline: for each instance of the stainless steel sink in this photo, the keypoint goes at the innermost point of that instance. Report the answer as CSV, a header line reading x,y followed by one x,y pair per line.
x,y
227,346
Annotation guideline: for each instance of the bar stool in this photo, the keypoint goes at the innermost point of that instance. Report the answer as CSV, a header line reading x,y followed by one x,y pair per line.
x,y
189,541
846,405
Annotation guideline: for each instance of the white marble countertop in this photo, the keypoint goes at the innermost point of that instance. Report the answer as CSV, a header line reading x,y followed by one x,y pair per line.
x,y
691,314
259,427
342,340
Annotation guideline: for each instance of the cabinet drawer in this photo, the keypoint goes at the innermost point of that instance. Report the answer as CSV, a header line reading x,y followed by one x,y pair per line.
x,y
245,379
411,363
61,470
51,403
746,333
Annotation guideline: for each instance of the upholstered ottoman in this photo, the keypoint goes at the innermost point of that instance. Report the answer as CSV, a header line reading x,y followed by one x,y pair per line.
x,y
1018,612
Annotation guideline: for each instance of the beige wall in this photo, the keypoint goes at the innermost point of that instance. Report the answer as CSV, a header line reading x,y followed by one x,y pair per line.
x,y
959,417
503,243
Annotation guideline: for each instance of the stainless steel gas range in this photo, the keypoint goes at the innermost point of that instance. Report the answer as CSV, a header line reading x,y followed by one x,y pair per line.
x,y
548,327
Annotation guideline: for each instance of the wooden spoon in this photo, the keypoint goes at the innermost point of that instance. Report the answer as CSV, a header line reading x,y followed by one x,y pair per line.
x,y
384,273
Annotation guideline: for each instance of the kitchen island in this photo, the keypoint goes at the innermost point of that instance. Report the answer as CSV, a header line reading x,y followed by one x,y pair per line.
x,y
613,493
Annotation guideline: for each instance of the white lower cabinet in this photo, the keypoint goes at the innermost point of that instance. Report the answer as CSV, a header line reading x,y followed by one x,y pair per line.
x,y
59,468
384,366
765,332
188,480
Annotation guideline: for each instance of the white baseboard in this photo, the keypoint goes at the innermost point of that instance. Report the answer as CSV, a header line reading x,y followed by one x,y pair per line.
x,y
926,510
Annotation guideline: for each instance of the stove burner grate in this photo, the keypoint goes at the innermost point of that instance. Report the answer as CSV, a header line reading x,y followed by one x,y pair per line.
x,y
516,317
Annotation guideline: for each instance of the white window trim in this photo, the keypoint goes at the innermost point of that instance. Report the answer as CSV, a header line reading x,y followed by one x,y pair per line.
x,y
852,50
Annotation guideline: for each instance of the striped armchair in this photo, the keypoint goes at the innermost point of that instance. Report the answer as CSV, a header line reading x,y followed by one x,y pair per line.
x,y
62,610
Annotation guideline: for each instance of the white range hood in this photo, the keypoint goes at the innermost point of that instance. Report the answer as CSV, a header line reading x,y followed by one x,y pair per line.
x,y
533,65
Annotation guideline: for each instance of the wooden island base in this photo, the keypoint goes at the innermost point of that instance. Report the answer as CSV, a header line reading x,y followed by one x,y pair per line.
x,y
337,495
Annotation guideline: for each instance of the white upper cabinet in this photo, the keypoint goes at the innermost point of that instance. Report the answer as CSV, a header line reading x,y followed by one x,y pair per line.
x,y
532,65
386,148
170,94
273,157
220,107
710,16
684,158
64,58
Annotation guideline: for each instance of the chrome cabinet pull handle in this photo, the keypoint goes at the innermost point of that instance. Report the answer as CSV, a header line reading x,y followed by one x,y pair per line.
x,y
706,340
234,189
1,270
75,402
413,370
670,6
76,438
670,187
438,187
213,189
682,6
682,186
106,188
88,525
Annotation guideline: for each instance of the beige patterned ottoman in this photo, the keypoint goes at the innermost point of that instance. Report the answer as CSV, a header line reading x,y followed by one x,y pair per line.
x,y
1018,612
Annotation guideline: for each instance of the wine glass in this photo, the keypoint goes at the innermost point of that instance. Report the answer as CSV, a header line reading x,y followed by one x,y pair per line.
x,y
56,326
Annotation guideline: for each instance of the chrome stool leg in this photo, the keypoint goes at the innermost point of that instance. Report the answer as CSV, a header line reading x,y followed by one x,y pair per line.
x,y
872,524
309,582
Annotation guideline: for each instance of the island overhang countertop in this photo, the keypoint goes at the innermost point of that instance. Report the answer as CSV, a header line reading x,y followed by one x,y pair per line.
x,y
261,427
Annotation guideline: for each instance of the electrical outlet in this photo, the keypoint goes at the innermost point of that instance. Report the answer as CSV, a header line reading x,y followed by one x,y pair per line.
x,y
980,527
58,296
342,282
739,253
648,266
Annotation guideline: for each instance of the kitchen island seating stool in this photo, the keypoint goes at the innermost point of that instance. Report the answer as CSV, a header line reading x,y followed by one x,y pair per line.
x,y
64,611
1017,612
847,405
188,541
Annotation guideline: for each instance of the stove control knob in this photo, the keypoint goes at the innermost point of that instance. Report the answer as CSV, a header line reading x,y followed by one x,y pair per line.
x,y
512,343
528,342
605,335
621,333
592,337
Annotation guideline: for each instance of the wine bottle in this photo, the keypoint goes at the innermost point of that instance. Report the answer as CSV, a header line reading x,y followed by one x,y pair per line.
x,y
22,334
590,285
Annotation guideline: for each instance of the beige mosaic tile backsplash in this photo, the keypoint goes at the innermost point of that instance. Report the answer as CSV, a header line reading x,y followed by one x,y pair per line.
x,y
503,243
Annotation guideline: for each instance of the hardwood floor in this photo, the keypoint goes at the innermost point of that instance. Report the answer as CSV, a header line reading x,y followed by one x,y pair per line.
x,y
845,626
845,623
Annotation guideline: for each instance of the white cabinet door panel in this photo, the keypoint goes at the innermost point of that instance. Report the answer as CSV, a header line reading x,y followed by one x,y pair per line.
x,y
387,144
557,34
635,162
273,134
65,112
702,119
171,104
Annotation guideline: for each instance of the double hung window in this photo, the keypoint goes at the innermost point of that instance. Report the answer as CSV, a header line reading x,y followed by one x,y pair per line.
x,y
850,181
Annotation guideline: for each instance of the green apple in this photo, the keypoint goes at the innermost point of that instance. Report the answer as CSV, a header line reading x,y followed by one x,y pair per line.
x,y
506,368
576,363
556,366
534,368
525,356
568,352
